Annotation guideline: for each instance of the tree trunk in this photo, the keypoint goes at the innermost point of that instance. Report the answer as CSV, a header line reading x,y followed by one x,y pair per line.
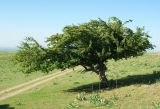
x,y
102,76
100,70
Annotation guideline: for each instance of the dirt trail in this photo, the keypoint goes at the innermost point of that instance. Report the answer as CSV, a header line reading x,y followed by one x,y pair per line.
x,y
31,84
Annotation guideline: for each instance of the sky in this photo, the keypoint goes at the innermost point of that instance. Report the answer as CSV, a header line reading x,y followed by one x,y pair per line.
x,y
43,18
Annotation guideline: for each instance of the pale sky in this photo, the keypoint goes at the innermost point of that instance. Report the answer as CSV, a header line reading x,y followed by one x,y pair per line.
x,y
43,18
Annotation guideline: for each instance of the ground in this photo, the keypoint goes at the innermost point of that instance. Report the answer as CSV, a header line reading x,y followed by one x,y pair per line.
x,y
134,85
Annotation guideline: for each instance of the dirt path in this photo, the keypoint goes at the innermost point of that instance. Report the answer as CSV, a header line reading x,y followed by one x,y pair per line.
x,y
31,84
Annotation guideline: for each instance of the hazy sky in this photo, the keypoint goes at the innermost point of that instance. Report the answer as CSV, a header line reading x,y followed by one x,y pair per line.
x,y
42,18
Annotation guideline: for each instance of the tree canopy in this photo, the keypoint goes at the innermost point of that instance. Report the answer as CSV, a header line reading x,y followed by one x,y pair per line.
x,y
89,44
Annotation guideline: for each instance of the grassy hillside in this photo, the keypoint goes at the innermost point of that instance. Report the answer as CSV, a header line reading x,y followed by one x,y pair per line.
x,y
9,73
134,85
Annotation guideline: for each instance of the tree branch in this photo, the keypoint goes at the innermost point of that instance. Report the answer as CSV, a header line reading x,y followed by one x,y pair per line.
x,y
90,68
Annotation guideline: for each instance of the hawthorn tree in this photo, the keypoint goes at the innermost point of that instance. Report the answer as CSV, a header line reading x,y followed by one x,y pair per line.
x,y
89,44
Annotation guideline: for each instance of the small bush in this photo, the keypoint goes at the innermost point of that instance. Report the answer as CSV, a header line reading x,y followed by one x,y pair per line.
x,y
127,95
97,100
72,105
81,96
156,104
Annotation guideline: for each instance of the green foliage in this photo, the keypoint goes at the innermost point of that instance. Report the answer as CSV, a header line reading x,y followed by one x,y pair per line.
x,y
72,105
156,104
81,96
89,44
32,57
97,100
94,98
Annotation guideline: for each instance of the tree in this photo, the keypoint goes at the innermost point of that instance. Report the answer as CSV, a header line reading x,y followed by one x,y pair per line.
x,y
89,44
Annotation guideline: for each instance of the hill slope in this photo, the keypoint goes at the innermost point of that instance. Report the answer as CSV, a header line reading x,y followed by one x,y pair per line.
x,y
9,73
135,85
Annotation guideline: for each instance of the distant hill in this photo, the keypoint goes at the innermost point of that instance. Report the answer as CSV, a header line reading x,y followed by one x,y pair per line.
x,y
8,49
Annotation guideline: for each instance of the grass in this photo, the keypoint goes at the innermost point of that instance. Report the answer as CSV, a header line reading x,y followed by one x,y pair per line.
x,y
134,85
9,73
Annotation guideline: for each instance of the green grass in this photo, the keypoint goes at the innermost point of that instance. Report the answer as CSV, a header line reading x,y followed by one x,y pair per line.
x,y
134,85
9,73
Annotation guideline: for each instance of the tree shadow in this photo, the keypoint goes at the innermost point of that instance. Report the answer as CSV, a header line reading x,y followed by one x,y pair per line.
x,y
122,82
6,106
